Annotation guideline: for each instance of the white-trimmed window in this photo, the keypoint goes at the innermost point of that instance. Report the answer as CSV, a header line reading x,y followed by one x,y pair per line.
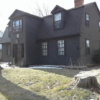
x,y
61,47
57,20
44,49
17,26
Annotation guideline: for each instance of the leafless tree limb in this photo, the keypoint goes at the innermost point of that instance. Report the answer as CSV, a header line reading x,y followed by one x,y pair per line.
x,y
40,11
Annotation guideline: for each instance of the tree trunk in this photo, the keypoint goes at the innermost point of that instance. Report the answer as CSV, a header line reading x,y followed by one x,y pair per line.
x,y
88,79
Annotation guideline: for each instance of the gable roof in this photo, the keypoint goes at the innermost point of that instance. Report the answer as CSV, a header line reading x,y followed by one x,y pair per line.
x,y
5,38
23,13
57,9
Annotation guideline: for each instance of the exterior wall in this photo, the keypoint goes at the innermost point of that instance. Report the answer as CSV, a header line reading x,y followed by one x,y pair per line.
x,y
21,40
36,30
5,57
72,24
71,51
92,32
32,27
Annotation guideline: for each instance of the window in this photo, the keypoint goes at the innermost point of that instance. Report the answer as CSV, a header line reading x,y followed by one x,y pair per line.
x,y
44,48
57,20
9,33
17,35
99,26
61,47
87,18
87,47
8,50
14,50
99,45
22,49
17,26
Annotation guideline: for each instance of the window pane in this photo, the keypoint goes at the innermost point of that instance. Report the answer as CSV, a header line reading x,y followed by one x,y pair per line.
x,y
57,17
57,24
17,26
87,17
17,23
14,23
44,48
87,47
87,43
61,47
20,22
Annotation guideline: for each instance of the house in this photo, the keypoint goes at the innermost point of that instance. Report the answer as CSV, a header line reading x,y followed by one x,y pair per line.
x,y
6,45
54,39
1,33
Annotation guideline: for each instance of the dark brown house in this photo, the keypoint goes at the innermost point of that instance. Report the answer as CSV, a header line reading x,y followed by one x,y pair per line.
x,y
54,39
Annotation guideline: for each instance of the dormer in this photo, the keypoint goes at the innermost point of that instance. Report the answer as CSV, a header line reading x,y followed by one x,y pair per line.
x,y
59,14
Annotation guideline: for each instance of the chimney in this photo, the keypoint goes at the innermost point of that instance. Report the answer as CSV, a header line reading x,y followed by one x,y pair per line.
x,y
78,3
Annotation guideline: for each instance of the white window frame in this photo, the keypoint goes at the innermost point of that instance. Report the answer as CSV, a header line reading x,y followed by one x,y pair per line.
x,y
44,48
57,20
17,25
61,47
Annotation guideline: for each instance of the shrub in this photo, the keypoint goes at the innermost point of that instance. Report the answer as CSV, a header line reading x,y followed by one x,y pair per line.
x,y
96,58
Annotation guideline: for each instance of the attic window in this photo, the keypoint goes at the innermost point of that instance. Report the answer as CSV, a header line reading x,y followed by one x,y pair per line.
x,y
17,26
87,19
57,20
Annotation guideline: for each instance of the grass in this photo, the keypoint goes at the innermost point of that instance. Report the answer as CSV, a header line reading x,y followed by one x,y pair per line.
x,y
41,84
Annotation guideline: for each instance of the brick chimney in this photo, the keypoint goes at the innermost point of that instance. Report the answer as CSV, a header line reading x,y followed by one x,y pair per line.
x,y
78,3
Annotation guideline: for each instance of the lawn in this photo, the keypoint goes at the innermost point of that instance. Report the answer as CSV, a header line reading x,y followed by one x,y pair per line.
x,y
41,84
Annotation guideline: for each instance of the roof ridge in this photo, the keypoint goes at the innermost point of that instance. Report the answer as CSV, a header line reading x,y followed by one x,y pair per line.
x,y
25,13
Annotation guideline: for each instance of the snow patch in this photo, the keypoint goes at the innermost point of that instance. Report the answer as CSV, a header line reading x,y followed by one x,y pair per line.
x,y
45,67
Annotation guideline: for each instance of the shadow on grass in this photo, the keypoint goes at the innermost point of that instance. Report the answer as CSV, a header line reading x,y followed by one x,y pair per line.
x,y
13,92
64,72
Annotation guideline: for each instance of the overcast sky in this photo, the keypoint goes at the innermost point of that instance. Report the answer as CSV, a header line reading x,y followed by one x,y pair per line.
x,y
7,7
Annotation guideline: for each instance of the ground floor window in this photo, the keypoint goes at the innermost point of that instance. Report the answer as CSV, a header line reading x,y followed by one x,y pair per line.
x,y
14,49
22,50
8,50
61,47
44,49
87,47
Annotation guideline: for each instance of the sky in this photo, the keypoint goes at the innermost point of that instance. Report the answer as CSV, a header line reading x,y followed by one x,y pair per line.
x,y
7,7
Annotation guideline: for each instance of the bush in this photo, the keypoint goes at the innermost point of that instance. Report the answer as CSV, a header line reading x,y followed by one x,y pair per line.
x,y
96,58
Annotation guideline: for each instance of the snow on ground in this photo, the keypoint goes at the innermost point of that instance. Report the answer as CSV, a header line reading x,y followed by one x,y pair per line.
x,y
4,65
45,66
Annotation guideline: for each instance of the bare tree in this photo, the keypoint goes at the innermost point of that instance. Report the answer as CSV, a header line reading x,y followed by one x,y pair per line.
x,y
40,10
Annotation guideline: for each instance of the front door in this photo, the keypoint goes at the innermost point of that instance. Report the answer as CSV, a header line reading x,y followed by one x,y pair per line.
x,y
17,53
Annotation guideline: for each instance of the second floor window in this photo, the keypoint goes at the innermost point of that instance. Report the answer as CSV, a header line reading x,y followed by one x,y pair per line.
x,y
57,20
87,19
44,49
61,47
87,47
17,26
